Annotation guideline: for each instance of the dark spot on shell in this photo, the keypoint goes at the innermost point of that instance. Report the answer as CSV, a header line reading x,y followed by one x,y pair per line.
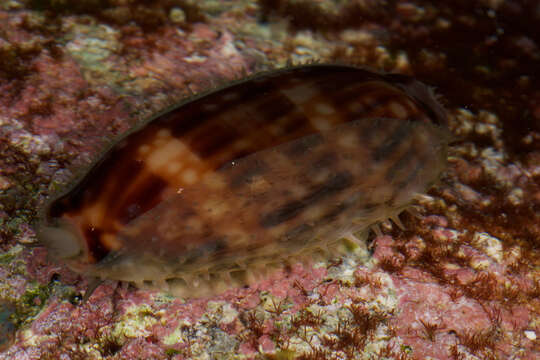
x,y
290,210
324,161
141,200
95,246
246,176
389,144
302,146
400,164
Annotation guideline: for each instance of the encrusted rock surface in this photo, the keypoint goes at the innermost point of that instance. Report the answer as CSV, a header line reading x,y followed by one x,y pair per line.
x,y
461,282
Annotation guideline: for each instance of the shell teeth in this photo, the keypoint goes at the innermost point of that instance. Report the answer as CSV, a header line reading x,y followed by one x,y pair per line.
x,y
188,279
226,276
354,239
376,229
162,285
206,275
397,221
241,264
415,211
319,255
251,277
423,198
93,284
305,261
258,274
263,271
322,249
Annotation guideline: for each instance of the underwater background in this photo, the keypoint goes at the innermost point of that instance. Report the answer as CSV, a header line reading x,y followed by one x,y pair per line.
x,y
462,281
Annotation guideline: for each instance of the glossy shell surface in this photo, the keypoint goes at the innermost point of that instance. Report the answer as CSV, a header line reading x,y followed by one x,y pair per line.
x,y
250,174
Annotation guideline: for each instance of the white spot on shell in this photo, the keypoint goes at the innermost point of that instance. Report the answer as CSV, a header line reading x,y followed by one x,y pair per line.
x,y
229,96
355,107
321,123
398,110
313,212
174,167
298,190
295,80
324,109
300,94
189,176
368,100
349,140
241,144
165,154
321,176
209,107
159,142
144,149
213,181
258,184
164,133
215,208
275,130
194,223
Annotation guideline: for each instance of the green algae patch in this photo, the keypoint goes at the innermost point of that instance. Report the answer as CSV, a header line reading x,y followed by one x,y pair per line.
x,y
7,257
172,352
282,355
32,301
178,335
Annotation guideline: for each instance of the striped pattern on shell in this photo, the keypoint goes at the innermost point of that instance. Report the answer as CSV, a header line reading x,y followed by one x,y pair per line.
x,y
283,162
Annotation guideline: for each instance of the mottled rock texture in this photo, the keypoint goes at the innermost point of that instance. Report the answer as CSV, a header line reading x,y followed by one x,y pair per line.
x,y
461,282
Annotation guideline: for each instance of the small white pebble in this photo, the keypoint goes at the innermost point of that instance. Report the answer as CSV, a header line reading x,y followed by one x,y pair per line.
x,y
491,245
529,334
402,61
324,109
487,117
177,15
516,196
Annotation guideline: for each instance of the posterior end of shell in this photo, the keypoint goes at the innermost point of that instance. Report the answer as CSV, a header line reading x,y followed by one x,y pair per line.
x,y
423,95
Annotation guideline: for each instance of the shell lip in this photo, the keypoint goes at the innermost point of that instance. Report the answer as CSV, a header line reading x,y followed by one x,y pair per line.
x,y
63,241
